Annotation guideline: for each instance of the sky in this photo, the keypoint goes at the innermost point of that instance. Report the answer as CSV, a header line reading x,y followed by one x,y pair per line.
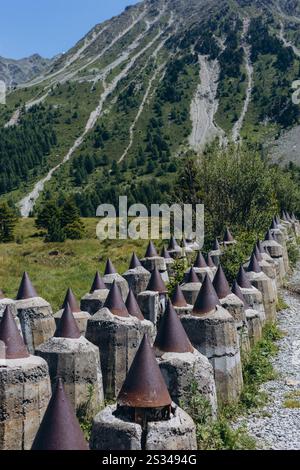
x,y
48,27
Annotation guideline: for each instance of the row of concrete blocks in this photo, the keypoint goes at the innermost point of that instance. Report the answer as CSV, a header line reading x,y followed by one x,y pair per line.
x,y
78,361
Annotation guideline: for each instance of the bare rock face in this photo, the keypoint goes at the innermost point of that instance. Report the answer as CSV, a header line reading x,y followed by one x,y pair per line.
x,y
112,432
118,339
24,395
37,322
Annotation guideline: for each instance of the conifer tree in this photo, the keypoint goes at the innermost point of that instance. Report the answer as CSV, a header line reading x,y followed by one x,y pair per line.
x,y
8,222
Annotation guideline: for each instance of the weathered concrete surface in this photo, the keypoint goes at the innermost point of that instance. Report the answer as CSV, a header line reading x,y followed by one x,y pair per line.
x,y
254,299
156,262
216,256
152,305
190,291
183,310
280,238
254,326
137,279
264,284
214,335
118,339
109,279
81,319
77,362
276,252
111,432
201,273
182,370
91,303
36,321
236,308
24,395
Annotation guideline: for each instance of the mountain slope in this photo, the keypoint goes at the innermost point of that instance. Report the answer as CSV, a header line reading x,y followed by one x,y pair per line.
x,y
127,101
14,72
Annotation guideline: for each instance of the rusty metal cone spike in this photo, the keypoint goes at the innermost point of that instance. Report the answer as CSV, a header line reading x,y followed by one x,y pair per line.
x,y
133,307
257,253
178,299
200,261
151,251
156,284
243,280
115,302
70,300
171,336
67,326
209,261
192,277
269,237
207,299
228,237
165,254
173,245
135,262
236,290
220,284
144,386
260,247
98,283
26,289
109,268
14,345
60,429
273,225
254,265
216,245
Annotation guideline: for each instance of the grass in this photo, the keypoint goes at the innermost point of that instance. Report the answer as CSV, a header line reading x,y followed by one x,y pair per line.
x,y
220,434
281,304
55,266
292,400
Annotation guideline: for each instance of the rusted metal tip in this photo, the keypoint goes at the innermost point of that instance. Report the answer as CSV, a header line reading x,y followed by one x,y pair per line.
x,y
115,302
173,245
209,261
243,280
26,289
60,429
67,327
216,245
14,344
260,246
98,283
156,284
144,386
236,290
135,262
171,336
207,299
165,254
192,277
257,253
220,284
151,251
178,299
254,265
228,237
269,236
109,268
200,261
133,307
274,225
70,300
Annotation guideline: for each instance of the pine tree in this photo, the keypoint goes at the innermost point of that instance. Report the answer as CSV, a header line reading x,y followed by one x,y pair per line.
x,y
8,222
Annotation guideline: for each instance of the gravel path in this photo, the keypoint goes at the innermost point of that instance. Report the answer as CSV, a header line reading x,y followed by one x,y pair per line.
x,y
276,427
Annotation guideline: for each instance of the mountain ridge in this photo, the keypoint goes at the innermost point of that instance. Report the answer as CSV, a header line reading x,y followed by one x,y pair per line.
x,y
130,98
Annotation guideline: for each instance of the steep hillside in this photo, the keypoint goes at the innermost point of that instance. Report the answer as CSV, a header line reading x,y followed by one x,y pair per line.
x,y
14,72
122,107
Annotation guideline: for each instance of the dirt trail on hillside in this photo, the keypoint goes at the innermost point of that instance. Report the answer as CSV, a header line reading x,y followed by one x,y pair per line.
x,y
286,42
27,203
249,70
205,105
